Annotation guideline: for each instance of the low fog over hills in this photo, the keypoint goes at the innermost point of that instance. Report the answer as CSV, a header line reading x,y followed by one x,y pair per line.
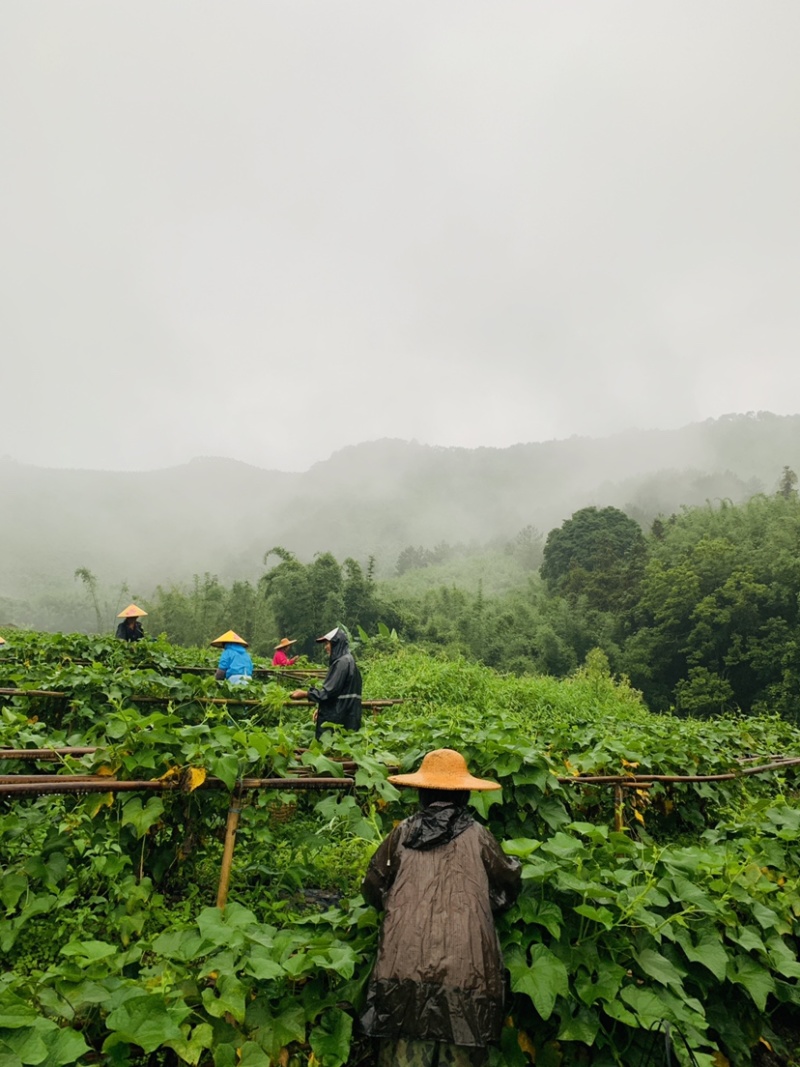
x,y
374,499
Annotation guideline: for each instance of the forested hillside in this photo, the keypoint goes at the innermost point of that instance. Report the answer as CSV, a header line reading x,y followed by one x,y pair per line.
x,y
375,499
700,611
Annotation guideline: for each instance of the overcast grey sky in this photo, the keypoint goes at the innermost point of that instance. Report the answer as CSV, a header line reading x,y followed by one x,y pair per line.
x,y
267,230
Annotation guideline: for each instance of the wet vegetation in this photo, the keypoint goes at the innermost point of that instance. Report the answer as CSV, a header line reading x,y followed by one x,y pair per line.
x,y
675,909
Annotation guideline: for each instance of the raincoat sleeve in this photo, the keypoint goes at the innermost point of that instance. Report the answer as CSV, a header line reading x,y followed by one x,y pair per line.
x,y
334,683
382,871
504,873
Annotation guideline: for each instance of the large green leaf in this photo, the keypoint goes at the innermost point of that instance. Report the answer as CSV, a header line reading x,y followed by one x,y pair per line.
x,y
646,1004
748,938
147,1021
541,913
253,1055
225,767
603,984
659,967
287,1023
766,918
708,951
64,1045
603,916
782,959
24,1043
12,885
192,1045
330,1040
15,1012
582,1026
617,1010
142,817
543,980
224,927
339,958
260,963
89,951
755,978
228,996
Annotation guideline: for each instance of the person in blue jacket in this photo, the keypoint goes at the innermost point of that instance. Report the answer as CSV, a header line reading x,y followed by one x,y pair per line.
x,y
235,664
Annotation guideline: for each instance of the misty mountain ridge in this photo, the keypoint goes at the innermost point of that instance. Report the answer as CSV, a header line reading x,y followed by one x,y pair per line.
x,y
372,499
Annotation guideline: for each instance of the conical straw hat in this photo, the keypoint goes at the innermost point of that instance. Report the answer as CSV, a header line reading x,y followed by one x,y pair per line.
x,y
230,637
132,612
443,769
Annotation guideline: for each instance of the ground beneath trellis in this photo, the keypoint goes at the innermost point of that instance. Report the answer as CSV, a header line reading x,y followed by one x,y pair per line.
x,y
785,1050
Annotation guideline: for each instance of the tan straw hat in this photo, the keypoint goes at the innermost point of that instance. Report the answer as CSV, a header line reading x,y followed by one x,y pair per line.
x,y
132,612
285,642
230,637
443,769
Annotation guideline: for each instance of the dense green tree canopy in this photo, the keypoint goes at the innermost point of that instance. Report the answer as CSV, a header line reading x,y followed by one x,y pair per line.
x,y
597,553
716,622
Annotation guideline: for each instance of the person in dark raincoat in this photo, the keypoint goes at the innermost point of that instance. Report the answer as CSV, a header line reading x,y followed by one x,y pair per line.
x,y
130,629
435,996
338,699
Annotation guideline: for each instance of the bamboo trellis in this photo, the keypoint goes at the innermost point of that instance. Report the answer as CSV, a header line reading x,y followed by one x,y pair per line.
x,y
276,672
81,784
137,698
42,784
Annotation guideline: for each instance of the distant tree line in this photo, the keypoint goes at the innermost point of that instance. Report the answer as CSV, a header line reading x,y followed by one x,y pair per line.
x,y
701,611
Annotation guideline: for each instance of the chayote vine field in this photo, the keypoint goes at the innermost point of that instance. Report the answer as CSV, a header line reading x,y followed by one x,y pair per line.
x,y
658,919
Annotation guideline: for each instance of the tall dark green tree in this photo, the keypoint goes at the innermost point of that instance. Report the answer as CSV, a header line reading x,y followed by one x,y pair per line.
x,y
716,621
598,554
787,487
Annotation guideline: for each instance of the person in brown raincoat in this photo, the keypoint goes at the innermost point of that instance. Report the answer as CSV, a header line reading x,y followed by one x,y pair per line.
x,y
435,996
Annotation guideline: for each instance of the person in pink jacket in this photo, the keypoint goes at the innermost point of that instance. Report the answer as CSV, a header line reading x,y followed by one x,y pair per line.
x,y
280,659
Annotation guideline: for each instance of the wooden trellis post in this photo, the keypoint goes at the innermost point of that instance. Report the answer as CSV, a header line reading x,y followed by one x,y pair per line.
x,y
231,826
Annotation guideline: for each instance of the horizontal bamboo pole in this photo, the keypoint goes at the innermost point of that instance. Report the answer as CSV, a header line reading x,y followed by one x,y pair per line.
x,y
642,779
61,784
44,754
31,693
9,779
364,703
137,699
278,672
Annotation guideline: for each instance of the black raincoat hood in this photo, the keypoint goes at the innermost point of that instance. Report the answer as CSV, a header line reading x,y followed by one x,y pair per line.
x,y
339,645
438,824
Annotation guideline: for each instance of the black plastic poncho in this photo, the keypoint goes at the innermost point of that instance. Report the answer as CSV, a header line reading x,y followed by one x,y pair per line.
x,y
439,973
339,696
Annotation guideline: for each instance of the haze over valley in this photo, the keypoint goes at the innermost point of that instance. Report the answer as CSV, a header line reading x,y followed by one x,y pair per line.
x,y
372,500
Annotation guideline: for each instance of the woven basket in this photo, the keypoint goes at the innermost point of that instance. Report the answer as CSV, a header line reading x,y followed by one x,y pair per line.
x,y
280,811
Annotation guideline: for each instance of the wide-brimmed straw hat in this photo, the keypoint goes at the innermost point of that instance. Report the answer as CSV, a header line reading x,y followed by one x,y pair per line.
x,y
230,637
285,642
132,612
443,769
